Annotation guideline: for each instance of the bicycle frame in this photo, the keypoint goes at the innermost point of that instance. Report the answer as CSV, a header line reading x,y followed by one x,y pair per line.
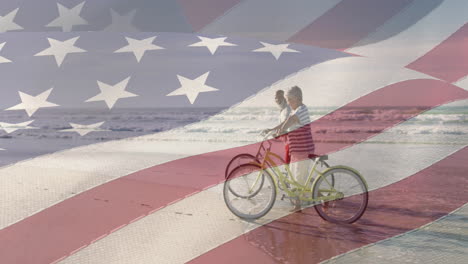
x,y
319,191
281,179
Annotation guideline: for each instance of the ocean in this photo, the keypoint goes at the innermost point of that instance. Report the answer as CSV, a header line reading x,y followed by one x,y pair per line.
x,y
442,125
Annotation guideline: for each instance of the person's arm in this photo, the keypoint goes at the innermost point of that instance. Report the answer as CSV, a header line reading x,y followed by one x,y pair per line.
x,y
279,126
275,128
292,120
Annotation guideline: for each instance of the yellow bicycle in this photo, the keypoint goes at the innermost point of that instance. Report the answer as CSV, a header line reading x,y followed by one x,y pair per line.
x,y
339,193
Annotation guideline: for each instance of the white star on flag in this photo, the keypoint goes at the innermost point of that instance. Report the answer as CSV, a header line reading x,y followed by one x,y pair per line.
x,y
276,50
111,93
31,103
139,47
191,88
6,22
3,59
212,43
60,49
9,127
84,129
122,23
68,17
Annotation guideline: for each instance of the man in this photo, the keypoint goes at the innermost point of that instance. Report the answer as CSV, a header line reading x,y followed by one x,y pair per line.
x,y
285,111
299,137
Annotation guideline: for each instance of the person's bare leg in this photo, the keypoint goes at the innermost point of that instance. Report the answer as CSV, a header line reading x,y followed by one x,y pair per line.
x,y
300,168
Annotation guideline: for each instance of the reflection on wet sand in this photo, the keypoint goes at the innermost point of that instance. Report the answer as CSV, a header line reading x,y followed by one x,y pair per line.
x,y
303,237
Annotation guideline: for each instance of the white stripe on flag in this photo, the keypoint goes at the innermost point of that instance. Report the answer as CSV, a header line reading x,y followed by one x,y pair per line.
x,y
257,18
339,81
463,83
440,241
420,38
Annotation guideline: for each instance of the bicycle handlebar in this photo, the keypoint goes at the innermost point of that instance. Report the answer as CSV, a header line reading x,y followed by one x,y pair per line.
x,y
268,137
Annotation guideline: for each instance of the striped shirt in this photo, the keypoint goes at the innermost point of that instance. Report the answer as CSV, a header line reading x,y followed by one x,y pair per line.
x,y
300,137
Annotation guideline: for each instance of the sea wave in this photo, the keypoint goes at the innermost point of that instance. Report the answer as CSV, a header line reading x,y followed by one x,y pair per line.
x,y
233,124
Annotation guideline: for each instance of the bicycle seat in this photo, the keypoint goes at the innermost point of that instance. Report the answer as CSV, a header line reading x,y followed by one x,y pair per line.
x,y
313,156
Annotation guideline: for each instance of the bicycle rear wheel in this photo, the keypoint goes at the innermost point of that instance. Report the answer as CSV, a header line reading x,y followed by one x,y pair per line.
x,y
249,192
344,201
321,166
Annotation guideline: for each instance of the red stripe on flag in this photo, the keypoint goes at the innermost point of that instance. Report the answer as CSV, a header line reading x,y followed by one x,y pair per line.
x,y
447,61
348,22
400,207
202,12
398,102
60,229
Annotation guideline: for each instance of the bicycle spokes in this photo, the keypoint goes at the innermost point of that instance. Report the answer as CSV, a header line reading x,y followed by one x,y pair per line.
x,y
345,200
249,191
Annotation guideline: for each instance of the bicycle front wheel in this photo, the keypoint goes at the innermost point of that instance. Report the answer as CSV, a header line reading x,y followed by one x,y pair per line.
x,y
249,191
235,162
238,160
344,201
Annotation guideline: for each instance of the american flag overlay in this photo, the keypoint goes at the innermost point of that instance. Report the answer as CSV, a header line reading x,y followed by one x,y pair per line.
x,y
118,118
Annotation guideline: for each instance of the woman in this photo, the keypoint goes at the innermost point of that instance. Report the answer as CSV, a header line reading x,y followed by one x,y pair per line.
x,y
299,137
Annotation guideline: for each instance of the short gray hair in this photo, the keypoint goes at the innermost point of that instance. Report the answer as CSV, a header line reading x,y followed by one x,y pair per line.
x,y
295,91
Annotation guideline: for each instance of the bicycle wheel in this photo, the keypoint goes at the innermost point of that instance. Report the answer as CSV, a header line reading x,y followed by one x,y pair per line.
x,y
238,160
246,180
322,166
325,166
348,195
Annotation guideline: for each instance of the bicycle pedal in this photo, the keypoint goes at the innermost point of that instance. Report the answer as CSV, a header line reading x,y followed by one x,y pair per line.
x,y
283,196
